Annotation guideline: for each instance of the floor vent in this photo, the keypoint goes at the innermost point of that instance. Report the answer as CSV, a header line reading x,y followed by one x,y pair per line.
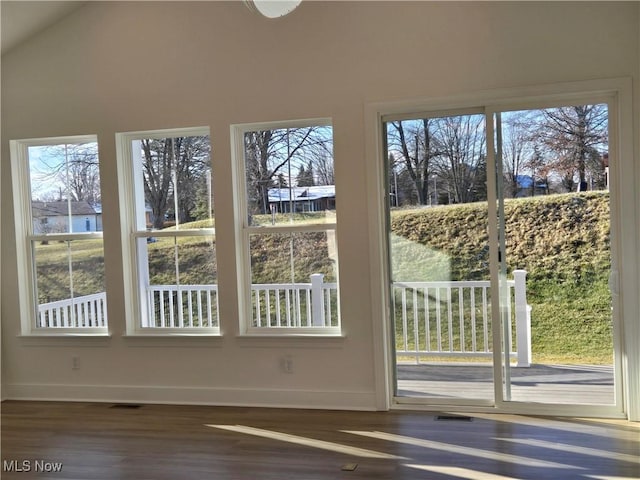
x,y
125,405
459,418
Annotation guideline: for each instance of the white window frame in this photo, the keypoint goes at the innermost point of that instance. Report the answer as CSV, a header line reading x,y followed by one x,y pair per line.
x,y
135,304
27,290
244,232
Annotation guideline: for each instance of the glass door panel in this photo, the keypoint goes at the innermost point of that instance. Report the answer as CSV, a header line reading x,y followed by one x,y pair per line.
x,y
554,211
439,257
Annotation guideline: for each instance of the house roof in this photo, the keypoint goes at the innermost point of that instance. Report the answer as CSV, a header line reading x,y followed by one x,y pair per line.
x,y
58,209
302,193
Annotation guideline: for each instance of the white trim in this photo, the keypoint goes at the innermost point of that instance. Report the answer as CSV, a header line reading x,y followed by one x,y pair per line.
x,y
617,228
383,354
23,226
200,232
180,394
433,114
291,228
494,266
546,95
515,408
202,131
257,332
243,256
627,245
625,222
126,197
60,237
281,124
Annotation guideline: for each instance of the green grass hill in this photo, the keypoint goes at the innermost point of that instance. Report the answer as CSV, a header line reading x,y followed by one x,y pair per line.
x,y
562,241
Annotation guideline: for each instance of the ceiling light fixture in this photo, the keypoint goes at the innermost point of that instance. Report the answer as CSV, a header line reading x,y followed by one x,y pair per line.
x,y
273,8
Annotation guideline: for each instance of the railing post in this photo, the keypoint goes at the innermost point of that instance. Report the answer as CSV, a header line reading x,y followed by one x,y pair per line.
x,y
317,320
523,318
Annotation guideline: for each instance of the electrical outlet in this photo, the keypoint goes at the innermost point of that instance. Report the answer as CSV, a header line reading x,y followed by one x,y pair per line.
x,y
287,364
75,362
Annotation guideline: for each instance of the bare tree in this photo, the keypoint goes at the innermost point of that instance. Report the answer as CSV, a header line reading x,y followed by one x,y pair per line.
x,y
325,173
192,169
157,166
172,169
461,158
271,153
517,151
73,168
413,144
576,135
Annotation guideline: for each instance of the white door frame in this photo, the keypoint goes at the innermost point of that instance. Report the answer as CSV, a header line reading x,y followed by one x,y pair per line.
x,y
624,177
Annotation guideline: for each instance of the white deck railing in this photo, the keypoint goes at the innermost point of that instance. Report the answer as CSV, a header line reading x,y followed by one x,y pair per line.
x,y
453,319
182,306
274,305
312,304
80,312
431,319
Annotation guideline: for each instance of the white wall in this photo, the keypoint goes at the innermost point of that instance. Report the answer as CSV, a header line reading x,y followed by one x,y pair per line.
x,y
114,67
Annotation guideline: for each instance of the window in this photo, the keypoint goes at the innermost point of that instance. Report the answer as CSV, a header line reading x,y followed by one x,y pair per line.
x,y
169,238
61,263
287,226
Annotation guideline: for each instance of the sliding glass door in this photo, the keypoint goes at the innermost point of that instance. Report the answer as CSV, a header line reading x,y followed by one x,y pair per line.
x,y
500,256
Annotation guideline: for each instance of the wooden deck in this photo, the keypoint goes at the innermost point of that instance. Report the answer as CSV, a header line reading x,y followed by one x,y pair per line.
x,y
570,384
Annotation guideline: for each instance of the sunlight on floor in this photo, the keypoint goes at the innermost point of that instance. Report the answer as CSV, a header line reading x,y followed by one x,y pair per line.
x,y
574,449
309,442
590,426
474,452
608,477
450,448
459,472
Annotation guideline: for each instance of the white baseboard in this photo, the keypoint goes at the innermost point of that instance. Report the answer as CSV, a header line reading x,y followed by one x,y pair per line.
x,y
326,400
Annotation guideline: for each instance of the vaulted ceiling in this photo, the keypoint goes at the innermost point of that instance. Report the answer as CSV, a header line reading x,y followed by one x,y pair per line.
x,y
22,19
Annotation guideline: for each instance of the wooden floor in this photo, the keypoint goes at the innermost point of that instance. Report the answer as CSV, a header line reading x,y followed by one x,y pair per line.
x,y
585,384
103,441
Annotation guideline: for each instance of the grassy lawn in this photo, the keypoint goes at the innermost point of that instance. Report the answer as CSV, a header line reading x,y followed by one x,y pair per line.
x,y
53,269
563,243
561,240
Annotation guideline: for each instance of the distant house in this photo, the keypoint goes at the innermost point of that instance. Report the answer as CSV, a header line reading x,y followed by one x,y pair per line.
x,y
302,199
54,217
526,187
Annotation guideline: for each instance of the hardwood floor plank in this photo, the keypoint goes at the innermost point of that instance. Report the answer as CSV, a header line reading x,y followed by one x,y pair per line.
x,y
94,441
